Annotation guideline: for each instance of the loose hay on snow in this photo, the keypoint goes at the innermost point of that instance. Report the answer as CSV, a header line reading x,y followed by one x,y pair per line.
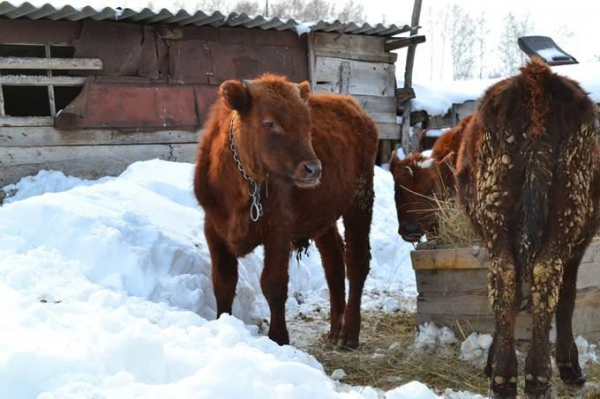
x,y
386,358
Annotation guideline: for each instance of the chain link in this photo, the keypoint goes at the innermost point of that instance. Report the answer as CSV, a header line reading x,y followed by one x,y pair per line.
x,y
256,209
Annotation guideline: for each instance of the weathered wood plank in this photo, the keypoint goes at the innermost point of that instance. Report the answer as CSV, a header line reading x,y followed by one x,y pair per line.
x,y
366,78
352,47
388,131
27,80
50,63
26,121
449,281
381,109
88,162
454,258
49,136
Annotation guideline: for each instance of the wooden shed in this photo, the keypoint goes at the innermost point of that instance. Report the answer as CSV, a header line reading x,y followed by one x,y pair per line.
x,y
90,91
452,291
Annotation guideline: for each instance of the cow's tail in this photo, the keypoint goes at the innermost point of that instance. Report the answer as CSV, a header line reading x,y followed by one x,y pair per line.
x,y
539,161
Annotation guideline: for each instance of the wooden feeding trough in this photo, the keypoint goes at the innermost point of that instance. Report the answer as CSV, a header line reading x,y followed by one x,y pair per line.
x,y
452,291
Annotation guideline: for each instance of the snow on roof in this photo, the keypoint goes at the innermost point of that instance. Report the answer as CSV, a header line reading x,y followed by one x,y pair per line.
x,y
437,99
180,12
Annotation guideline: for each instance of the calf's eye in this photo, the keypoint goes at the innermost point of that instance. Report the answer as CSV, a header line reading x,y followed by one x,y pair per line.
x,y
269,124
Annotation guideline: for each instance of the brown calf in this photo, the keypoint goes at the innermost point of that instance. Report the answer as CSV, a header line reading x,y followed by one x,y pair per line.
x,y
278,166
528,176
420,181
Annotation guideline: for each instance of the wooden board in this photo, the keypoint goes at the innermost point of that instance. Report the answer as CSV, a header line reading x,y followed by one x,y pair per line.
x,y
49,136
455,258
365,78
352,47
388,131
89,162
381,109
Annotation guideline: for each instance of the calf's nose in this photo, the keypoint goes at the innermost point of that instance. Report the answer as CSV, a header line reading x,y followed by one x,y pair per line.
x,y
313,170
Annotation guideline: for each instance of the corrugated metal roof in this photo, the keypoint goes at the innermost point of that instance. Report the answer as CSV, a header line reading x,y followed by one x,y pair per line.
x,y
183,18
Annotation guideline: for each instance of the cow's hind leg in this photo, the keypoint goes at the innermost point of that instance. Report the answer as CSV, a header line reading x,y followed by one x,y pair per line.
x,y
545,288
224,270
567,356
504,299
331,247
357,222
274,283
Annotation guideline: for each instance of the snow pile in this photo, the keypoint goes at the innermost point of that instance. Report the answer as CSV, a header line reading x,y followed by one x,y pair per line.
x,y
438,99
431,338
46,181
413,389
474,349
106,289
587,351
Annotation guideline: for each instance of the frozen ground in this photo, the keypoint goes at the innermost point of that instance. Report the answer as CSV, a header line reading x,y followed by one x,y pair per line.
x,y
105,291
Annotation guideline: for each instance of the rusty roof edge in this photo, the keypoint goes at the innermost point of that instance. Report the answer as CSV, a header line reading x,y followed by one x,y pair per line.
x,y
164,16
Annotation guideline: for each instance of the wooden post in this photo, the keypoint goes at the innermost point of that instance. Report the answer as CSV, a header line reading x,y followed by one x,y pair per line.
x,y
2,114
50,87
410,143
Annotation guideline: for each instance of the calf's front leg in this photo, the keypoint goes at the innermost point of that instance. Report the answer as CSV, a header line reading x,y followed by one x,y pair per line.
x,y
274,283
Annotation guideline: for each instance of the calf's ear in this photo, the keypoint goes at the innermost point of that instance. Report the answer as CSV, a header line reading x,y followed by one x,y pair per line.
x,y
304,89
237,95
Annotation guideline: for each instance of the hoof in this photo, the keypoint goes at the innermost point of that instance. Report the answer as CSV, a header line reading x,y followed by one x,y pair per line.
x,y
281,338
504,387
572,376
487,371
538,387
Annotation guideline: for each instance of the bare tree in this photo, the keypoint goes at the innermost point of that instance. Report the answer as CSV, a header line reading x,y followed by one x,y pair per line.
x,y
481,34
351,12
247,6
462,43
511,57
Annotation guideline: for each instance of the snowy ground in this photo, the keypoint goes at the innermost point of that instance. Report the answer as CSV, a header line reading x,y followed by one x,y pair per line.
x,y
105,291
437,99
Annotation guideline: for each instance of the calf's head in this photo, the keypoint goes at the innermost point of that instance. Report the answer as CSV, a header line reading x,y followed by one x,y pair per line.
x,y
271,127
417,187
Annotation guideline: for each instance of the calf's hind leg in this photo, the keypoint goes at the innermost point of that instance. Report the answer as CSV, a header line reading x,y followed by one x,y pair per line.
x,y
331,247
567,355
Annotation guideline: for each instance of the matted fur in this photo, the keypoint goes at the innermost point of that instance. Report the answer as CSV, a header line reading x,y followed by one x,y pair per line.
x,y
528,176
280,130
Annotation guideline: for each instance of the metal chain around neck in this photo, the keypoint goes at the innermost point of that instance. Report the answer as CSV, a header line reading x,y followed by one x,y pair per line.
x,y
256,209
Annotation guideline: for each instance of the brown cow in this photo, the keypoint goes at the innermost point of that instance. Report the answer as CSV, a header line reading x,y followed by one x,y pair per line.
x,y
528,176
278,166
419,182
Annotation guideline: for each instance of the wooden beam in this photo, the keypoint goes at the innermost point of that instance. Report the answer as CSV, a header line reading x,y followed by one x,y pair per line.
x,y
29,80
51,63
90,162
8,121
50,136
396,43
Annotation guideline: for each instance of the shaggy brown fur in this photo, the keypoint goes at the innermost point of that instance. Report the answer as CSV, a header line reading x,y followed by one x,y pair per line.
x,y
528,177
417,187
285,137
